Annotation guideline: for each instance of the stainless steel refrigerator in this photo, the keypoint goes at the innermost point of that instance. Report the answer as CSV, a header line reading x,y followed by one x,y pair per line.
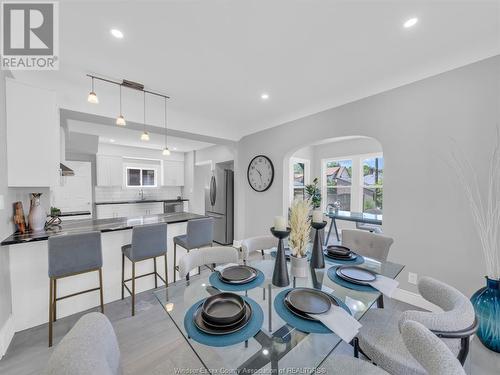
x,y
219,204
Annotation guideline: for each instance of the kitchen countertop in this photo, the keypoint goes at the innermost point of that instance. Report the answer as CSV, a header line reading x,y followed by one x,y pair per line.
x,y
141,201
101,225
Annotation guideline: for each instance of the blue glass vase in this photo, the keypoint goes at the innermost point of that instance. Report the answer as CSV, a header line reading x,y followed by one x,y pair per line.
x,y
486,303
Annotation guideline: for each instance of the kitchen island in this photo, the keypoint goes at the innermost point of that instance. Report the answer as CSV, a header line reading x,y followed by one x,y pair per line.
x,y
29,266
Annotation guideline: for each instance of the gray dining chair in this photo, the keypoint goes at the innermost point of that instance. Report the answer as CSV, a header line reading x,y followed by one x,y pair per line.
x,y
370,227
425,347
90,347
368,244
148,242
199,233
380,340
206,256
71,255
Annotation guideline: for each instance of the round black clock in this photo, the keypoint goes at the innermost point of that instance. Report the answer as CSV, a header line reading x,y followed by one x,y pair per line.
x,y
260,173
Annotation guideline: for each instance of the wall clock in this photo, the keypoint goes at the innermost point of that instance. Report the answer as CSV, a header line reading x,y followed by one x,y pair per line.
x,y
260,173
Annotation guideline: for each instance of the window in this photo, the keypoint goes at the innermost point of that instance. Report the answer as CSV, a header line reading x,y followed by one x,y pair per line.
x,y
338,177
299,184
141,177
373,178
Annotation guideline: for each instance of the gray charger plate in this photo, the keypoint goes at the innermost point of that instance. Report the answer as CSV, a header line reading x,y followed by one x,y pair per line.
x,y
223,308
305,315
356,275
309,301
238,274
200,323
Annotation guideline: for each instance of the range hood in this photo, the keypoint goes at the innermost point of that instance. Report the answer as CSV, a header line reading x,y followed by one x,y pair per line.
x,y
65,170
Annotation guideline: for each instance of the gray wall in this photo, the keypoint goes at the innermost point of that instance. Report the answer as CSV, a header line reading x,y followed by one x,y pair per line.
x,y
5,214
425,209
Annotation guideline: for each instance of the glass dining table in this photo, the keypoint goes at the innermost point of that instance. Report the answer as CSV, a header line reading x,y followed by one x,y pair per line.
x,y
277,347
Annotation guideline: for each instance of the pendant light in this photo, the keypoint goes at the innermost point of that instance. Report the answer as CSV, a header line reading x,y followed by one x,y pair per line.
x,y
166,151
120,120
92,98
145,134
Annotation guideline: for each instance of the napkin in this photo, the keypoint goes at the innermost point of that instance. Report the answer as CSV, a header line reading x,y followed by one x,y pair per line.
x,y
339,321
385,285
222,267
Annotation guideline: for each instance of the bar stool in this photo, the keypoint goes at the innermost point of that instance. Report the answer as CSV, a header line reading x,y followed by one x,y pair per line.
x,y
199,233
71,255
148,242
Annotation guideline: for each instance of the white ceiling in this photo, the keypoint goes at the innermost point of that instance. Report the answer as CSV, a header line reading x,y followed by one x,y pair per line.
x,y
215,58
129,137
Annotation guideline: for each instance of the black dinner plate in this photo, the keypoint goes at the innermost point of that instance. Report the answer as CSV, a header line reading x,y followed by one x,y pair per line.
x,y
223,308
356,275
338,250
305,315
309,301
204,327
352,256
238,274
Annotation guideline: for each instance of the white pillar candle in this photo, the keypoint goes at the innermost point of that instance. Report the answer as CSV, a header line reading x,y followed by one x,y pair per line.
x,y
279,223
317,216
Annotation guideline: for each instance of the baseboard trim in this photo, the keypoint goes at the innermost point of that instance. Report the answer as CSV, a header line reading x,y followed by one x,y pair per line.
x,y
414,299
6,335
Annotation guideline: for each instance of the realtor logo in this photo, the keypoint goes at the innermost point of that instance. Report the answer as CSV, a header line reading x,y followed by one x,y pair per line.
x,y
30,36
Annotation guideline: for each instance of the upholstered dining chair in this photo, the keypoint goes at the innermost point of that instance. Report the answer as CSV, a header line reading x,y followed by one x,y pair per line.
x,y
90,347
258,243
380,340
425,347
206,256
199,233
368,244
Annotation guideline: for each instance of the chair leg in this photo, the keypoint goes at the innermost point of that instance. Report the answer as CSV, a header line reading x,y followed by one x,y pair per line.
x,y
156,275
380,302
123,274
464,350
51,306
55,296
355,342
166,271
101,295
262,252
133,288
175,258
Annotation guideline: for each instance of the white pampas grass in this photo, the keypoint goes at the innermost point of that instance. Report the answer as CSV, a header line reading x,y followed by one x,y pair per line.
x,y
485,213
300,225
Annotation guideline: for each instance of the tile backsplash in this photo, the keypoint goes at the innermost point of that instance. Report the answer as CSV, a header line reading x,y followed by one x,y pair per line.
x,y
112,194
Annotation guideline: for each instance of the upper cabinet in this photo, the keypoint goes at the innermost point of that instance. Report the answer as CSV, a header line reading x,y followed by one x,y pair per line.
x,y
173,173
33,154
109,170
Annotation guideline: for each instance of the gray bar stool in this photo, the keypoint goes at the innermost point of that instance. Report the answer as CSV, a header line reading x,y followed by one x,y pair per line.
x,y
200,232
148,242
71,255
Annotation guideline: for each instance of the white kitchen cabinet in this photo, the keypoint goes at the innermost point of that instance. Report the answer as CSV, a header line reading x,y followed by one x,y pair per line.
x,y
173,173
109,170
33,135
108,211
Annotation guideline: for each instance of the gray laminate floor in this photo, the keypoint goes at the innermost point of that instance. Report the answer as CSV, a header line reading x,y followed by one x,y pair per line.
x,y
151,344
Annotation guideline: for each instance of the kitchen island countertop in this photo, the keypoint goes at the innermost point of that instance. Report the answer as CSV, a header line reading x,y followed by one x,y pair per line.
x,y
101,225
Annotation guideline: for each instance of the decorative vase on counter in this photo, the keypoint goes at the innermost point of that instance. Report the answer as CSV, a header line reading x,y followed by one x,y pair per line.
x,y
37,215
298,266
486,303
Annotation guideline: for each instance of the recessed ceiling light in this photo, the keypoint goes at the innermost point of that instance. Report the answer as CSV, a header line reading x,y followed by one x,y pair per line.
x,y
411,22
117,33
264,96
112,140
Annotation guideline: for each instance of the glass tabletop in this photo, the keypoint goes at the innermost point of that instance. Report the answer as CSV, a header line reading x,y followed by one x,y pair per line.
x,y
362,217
277,345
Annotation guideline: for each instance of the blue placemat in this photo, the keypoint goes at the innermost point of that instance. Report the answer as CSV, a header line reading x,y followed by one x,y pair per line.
x,y
304,325
359,260
333,276
242,335
219,284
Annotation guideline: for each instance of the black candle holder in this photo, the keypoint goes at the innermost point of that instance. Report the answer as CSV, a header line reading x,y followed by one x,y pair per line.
x,y
317,256
280,273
